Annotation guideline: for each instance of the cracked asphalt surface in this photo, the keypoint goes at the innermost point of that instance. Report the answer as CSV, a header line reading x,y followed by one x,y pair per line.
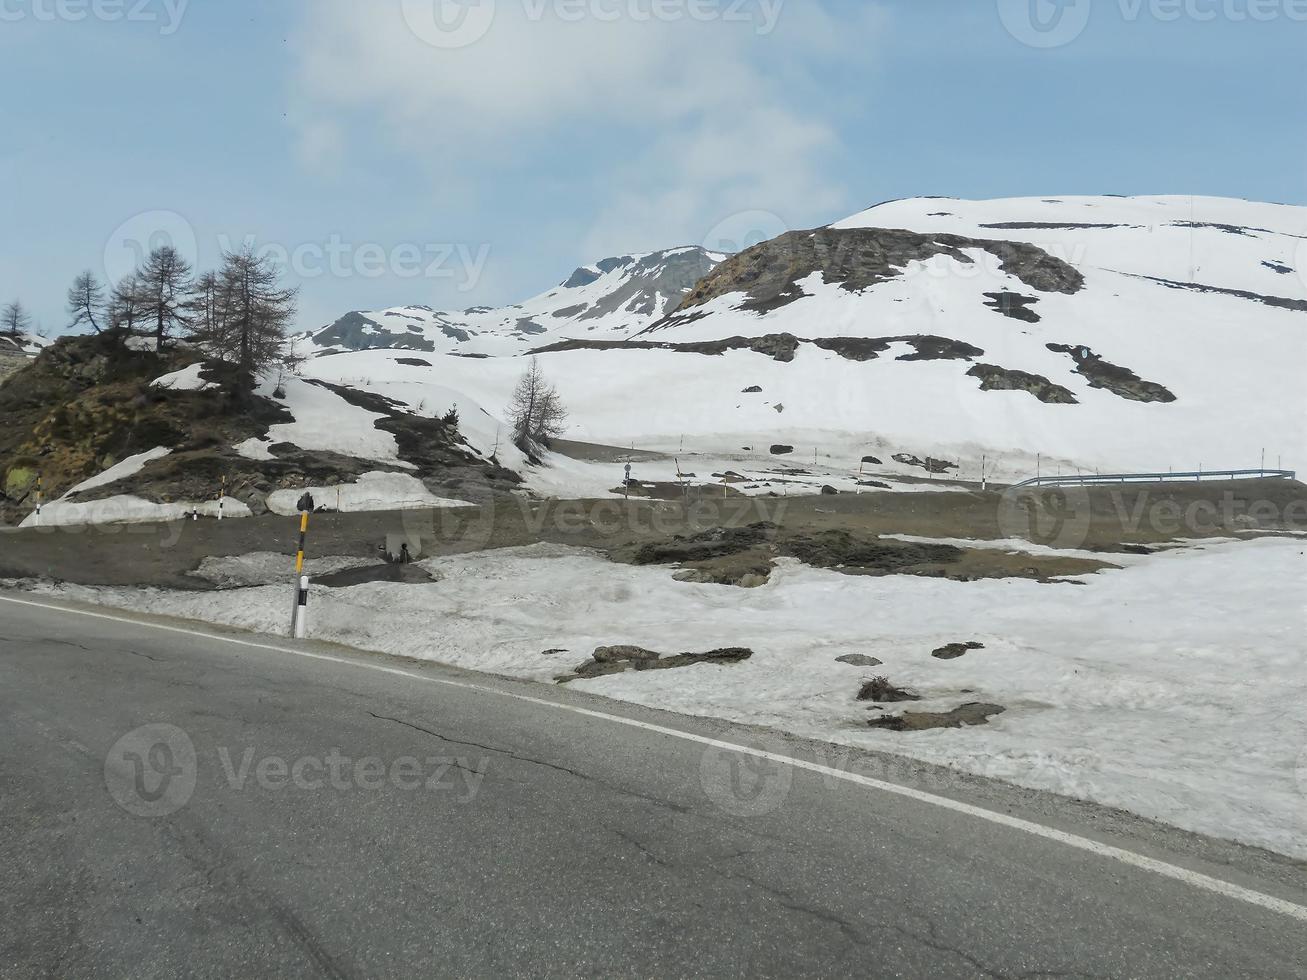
x,y
339,821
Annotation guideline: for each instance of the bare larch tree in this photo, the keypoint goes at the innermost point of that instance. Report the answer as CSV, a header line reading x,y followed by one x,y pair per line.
x,y
164,290
86,304
535,412
14,319
250,313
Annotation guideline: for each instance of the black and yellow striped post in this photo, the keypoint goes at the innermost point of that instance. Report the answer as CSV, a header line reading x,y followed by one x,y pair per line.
x,y
299,617
39,492
304,531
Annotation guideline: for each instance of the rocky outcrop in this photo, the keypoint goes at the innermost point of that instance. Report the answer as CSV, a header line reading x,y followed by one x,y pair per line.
x,y
619,659
783,346
1118,380
770,274
995,378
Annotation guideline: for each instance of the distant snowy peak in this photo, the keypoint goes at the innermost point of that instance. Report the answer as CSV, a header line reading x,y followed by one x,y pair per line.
x,y
616,297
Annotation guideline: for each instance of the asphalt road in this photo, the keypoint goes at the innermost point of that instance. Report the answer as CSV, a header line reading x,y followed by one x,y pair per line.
x,y
358,816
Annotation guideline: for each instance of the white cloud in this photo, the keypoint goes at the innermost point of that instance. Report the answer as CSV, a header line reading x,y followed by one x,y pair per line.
x,y
680,121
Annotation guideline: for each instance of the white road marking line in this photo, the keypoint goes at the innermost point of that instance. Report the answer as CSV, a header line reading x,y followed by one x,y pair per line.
x,y
1193,878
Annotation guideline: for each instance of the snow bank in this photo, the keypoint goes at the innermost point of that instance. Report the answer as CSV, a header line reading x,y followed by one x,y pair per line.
x,y
1172,687
126,509
187,379
372,491
326,422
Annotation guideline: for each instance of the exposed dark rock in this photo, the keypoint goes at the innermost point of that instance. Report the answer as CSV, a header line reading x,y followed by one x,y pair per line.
x,y
1298,305
412,362
995,378
391,572
856,259
1013,305
871,459
608,655
528,326
838,548
1118,380
930,464
858,660
752,390
931,348
953,651
358,332
829,491
975,713
570,311
669,273
1279,267
880,690
715,542
581,277
779,450
1046,226
617,660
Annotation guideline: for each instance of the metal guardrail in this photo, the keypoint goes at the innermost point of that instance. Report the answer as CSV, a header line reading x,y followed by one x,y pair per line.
x,y
1172,477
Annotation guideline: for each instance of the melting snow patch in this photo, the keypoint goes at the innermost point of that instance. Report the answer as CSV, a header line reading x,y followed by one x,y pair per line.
x,y
126,509
187,379
1135,690
372,491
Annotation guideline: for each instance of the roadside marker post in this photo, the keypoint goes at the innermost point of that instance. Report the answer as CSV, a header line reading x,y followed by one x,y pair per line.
x,y
299,616
626,484
222,495
302,608
38,499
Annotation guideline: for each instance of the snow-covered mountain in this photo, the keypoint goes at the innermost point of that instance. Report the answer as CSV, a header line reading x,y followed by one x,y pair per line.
x,y
612,299
1098,332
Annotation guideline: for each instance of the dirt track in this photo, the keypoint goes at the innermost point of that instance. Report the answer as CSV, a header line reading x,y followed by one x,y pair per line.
x,y
834,530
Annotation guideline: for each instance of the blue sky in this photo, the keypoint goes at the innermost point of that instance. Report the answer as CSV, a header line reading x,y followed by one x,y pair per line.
x,y
390,162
